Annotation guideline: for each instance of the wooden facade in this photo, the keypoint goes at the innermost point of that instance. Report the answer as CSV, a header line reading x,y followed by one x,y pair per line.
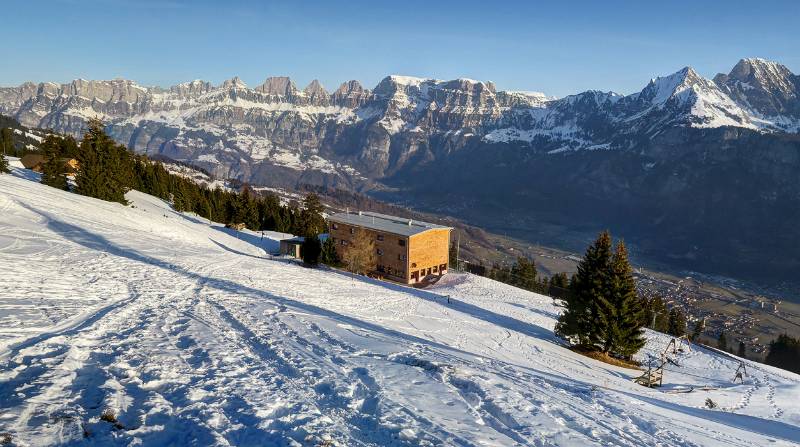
x,y
404,253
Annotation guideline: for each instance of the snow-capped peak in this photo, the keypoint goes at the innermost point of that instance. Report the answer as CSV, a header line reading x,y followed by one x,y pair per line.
x,y
315,87
661,89
763,74
234,82
278,85
686,97
766,89
407,80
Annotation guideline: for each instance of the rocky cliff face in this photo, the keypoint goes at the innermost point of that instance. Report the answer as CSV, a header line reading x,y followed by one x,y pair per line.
x,y
767,89
594,156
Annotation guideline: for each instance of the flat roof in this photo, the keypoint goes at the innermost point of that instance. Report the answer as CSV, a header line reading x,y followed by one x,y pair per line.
x,y
385,223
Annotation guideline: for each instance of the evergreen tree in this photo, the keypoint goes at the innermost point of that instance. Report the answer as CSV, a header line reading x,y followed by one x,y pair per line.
x,y
677,322
310,250
500,273
53,169
558,286
523,274
283,221
699,327
310,220
784,352
104,166
655,314
6,145
453,256
590,283
329,255
621,322
722,341
292,214
245,210
4,169
742,351
602,310
180,199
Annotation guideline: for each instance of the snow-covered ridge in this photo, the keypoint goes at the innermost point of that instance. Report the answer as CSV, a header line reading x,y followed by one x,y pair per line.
x,y
237,131
192,334
683,98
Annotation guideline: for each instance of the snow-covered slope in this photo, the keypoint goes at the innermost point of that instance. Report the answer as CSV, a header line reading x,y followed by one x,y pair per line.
x,y
192,335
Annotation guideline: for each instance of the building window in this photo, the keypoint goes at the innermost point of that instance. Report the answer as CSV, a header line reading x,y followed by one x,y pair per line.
x,y
401,257
381,268
380,252
334,226
352,230
402,242
435,269
380,237
343,242
413,264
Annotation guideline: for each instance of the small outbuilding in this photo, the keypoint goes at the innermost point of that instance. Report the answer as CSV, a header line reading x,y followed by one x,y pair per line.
x,y
292,246
35,162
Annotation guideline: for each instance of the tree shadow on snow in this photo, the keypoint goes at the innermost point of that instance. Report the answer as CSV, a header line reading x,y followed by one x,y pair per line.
x,y
267,244
504,321
234,251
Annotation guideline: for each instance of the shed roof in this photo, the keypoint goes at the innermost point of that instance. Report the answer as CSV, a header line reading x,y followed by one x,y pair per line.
x,y
385,223
31,160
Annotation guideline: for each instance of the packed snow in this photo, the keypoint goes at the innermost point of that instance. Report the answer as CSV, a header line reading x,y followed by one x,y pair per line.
x,y
183,332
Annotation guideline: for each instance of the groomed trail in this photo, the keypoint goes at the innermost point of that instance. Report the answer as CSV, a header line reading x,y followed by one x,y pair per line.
x,y
192,335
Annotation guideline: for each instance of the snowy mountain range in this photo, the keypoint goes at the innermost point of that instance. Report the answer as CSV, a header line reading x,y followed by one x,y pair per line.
x,y
138,325
691,170
358,134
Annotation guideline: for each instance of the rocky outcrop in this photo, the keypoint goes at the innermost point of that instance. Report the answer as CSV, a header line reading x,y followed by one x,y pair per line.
x,y
316,94
350,95
766,88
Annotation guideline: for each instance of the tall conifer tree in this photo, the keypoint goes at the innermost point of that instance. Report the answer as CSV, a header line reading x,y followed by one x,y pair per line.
x,y
722,341
53,169
623,331
677,322
104,170
592,281
602,311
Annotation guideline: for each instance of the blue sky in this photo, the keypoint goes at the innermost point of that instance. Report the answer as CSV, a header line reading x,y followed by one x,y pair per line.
x,y
556,47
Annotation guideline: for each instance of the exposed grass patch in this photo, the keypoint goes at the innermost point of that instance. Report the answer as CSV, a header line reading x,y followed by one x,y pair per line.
x,y
605,358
